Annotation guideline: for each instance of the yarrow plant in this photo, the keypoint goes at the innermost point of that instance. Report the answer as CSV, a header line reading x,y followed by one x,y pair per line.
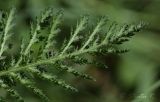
x,y
25,67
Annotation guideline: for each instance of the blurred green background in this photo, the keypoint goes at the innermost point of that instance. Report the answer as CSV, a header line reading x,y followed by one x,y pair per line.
x,y
130,76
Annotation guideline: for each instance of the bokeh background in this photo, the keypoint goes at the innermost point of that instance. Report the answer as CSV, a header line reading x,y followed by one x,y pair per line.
x,y
132,77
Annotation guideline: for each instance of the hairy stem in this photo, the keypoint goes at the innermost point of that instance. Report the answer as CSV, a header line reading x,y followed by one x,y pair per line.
x,y
51,60
96,30
8,27
80,27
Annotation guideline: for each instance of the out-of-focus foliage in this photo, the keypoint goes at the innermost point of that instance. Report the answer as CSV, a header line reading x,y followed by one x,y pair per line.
x,y
128,76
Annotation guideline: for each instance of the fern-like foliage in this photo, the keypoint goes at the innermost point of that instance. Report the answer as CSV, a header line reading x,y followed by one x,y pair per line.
x,y
29,65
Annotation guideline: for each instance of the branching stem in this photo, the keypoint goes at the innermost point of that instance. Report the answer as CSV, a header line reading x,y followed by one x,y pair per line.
x,y
51,60
80,27
8,27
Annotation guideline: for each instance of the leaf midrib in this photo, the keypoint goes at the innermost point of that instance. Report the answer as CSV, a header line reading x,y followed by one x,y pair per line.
x,y
49,61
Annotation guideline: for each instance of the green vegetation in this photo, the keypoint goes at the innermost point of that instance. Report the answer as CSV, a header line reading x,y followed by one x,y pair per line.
x,y
85,67
25,67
